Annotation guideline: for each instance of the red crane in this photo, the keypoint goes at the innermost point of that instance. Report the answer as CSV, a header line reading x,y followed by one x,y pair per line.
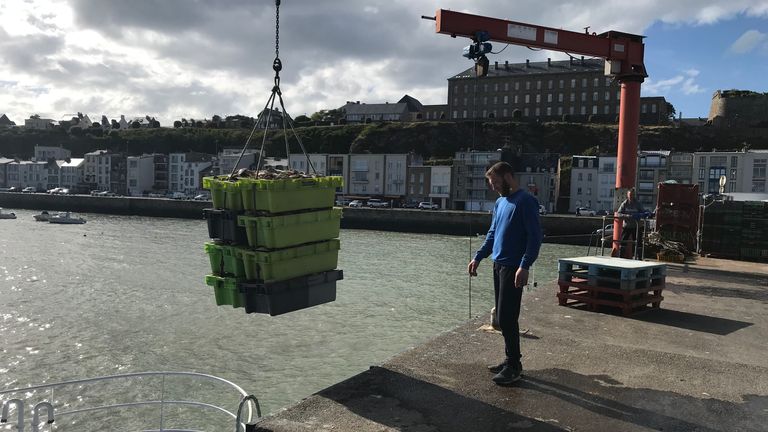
x,y
624,61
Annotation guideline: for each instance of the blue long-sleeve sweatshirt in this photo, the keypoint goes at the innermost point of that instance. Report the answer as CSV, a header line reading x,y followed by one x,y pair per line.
x,y
514,238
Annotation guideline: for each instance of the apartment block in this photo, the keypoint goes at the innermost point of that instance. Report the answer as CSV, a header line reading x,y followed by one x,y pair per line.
x,y
584,182
185,170
651,170
43,153
141,174
745,171
469,188
440,185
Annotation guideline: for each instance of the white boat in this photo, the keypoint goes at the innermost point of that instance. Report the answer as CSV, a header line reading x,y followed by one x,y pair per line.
x,y
124,400
7,215
44,216
66,218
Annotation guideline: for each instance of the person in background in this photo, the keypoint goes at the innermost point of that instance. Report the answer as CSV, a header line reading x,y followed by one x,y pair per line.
x,y
630,210
513,242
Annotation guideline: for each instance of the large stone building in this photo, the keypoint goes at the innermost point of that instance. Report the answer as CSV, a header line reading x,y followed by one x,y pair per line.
x,y
739,108
575,90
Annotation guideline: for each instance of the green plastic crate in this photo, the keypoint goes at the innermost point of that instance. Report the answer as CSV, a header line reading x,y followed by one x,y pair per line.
x,y
225,260
282,264
284,195
225,194
225,291
291,230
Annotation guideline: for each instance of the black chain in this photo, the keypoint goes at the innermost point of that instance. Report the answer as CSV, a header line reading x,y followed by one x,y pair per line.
x,y
277,65
277,28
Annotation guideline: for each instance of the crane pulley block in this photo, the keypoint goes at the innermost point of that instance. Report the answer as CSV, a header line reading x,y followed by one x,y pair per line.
x,y
477,50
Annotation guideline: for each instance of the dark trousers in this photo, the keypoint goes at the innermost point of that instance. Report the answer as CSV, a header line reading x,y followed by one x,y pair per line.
x,y
508,299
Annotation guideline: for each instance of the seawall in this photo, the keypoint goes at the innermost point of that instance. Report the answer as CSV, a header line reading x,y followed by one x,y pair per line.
x,y
557,228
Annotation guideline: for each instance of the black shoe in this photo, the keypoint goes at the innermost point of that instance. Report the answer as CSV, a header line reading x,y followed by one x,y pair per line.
x,y
497,368
507,376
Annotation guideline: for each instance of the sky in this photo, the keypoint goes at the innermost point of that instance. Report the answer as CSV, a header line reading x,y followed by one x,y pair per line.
x,y
195,58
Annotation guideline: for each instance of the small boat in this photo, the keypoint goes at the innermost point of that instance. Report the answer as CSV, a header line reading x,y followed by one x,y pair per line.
x,y
66,218
44,216
7,215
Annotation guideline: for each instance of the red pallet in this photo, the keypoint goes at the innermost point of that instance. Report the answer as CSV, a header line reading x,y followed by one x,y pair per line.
x,y
579,291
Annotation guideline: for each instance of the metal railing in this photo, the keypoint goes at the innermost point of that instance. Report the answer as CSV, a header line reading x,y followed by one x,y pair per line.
x,y
52,414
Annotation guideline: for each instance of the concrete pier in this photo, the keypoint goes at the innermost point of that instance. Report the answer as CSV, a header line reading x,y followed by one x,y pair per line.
x,y
697,364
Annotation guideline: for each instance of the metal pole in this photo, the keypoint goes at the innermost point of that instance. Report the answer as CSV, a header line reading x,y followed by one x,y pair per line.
x,y
626,161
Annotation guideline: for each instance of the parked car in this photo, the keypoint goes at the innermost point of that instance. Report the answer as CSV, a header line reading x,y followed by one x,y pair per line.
x,y
411,205
202,197
54,190
426,205
377,203
179,196
584,211
341,202
356,203
155,195
602,213
606,231
14,189
542,210
29,189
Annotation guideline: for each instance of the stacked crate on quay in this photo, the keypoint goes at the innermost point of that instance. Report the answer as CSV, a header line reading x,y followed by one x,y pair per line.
x,y
629,285
677,213
721,230
754,231
736,230
275,242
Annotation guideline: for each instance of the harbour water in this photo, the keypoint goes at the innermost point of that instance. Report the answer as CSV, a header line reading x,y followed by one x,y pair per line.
x,y
126,294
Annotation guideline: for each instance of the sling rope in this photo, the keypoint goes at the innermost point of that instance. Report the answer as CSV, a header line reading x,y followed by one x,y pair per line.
x,y
287,121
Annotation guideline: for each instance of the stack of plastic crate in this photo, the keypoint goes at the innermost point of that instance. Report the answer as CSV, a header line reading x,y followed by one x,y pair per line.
x,y
276,246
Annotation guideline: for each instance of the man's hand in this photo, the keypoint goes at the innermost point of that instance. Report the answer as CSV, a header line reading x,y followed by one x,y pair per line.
x,y
521,278
472,268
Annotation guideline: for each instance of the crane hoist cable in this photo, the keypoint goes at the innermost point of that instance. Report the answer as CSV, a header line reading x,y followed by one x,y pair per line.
x,y
276,94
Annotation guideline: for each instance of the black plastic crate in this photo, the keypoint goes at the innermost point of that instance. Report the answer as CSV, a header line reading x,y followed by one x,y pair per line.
x,y
222,225
276,298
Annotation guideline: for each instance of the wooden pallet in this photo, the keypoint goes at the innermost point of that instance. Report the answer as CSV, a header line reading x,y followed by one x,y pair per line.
x,y
613,282
578,291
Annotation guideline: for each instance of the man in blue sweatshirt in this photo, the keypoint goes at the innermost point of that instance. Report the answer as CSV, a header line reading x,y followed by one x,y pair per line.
x,y
513,243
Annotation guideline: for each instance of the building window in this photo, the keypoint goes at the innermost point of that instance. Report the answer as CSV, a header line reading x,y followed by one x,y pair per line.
x,y
589,176
583,96
573,97
495,100
506,99
527,85
538,85
517,86
504,112
538,98
581,175
701,173
758,169
758,186
595,96
525,112
733,174
653,109
589,191
562,83
571,110
606,109
464,114
527,98
549,111
596,82
455,114
594,109
559,110
549,97
506,86
644,108
560,97
607,95
538,111
517,99
573,83
496,87
584,83
734,161
583,110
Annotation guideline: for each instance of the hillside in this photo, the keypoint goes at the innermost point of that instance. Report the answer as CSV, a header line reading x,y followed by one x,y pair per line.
x,y
438,140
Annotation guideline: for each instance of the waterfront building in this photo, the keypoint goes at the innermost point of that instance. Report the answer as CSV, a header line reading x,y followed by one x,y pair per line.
x,y
105,171
419,183
161,173
185,171
745,171
680,167
584,182
651,170
572,90
4,172
537,174
43,153
440,185
71,174
227,159
469,187
298,162
141,174
27,173
606,184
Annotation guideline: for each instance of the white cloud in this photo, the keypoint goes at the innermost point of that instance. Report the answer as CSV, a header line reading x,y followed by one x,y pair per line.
x,y
684,82
749,41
